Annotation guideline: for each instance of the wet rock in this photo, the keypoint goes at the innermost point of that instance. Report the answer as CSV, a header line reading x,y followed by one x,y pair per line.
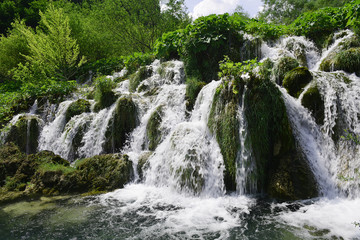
x,y
76,108
139,76
296,80
153,131
313,101
282,170
124,121
224,124
25,133
282,66
346,60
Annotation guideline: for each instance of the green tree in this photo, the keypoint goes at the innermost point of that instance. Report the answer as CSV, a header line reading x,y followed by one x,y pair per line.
x,y
285,11
52,50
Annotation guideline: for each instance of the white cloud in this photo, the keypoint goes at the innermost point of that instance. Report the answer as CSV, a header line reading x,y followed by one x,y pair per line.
x,y
207,7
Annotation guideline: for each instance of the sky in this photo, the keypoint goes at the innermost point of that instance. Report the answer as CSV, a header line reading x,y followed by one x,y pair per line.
x,y
199,8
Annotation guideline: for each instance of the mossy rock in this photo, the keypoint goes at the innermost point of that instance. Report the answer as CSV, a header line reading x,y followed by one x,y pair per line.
x,y
224,124
143,163
104,172
25,133
153,131
76,108
124,121
296,80
265,69
347,60
282,66
139,76
193,87
45,173
313,101
282,171
106,100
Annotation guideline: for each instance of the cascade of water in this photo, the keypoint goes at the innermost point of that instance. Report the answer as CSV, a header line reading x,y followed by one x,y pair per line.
x,y
299,48
52,131
313,143
94,138
245,164
342,106
339,37
189,159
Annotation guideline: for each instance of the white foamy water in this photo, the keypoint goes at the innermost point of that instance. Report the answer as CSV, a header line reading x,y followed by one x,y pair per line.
x,y
336,217
176,213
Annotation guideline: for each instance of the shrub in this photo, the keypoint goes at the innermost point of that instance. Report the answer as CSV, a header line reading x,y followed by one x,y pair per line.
x,y
104,96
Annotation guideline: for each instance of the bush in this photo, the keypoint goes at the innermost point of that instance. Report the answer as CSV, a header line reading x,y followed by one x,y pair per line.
x,y
104,96
318,25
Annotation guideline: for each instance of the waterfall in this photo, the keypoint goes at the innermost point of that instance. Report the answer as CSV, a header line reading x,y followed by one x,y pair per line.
x,y
245,164
189,158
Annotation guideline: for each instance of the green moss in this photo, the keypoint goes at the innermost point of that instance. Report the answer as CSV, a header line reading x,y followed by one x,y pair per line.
x,y
139,76
25,133
153,128
313,101
143,163
296,80
124,121
55,167
224,124
265,69
76,108
103,172
104,96
282,66
347,60
45,173
282,170
193,87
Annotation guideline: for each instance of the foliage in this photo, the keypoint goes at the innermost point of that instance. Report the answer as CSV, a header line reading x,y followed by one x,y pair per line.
x,y
206,41
240,71
286,11
104,96
353,15
319,24
53,52
27,10
267,31
351,137
12,50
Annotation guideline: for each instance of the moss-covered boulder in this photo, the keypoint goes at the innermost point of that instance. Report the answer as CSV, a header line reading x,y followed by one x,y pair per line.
x,y
76,108
143,163
45,173
153,131
346,60
25,133
313,101
296,79
124,121
139,76
282,66
224,124
282,171
104,95
103,173
193,87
